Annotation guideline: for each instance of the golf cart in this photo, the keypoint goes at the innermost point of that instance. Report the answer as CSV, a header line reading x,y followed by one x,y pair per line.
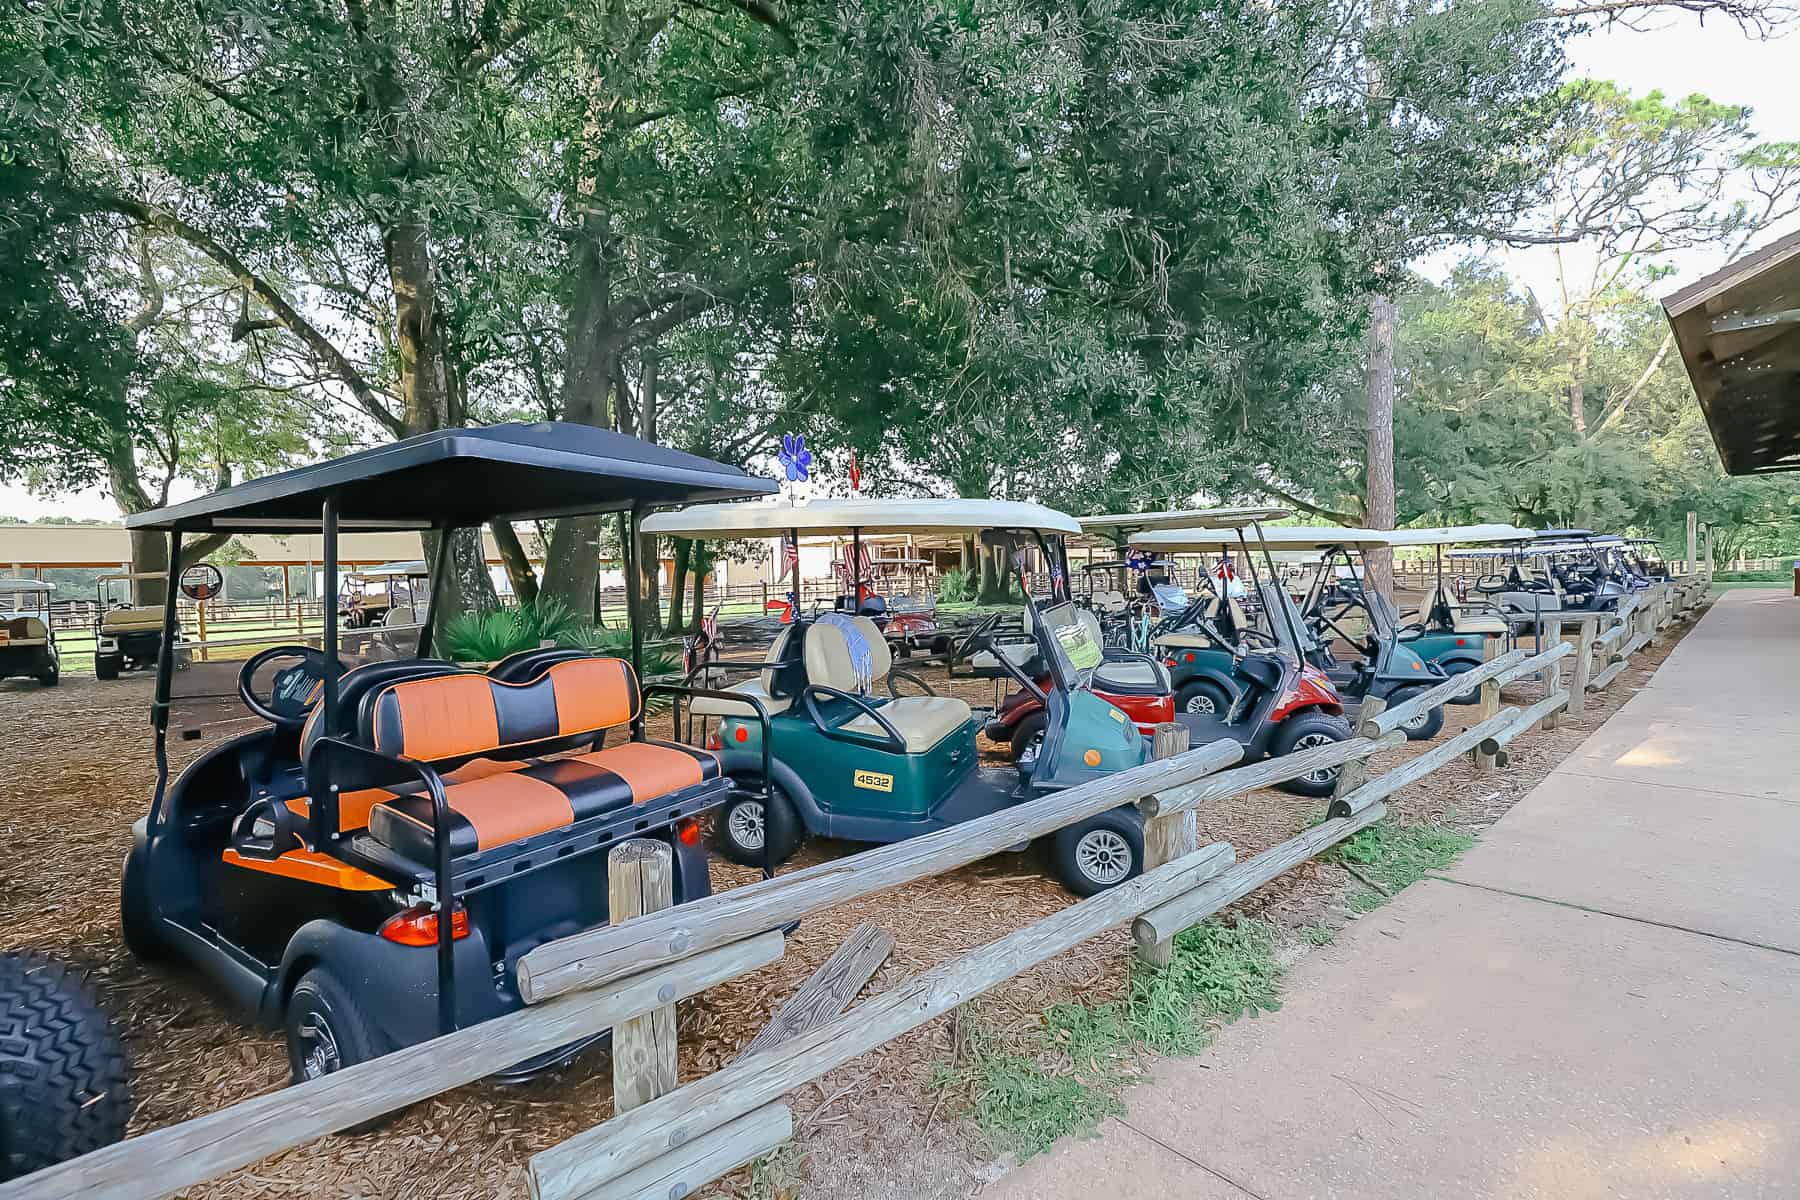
x,y
849,757
1453,629
1557,571
27,640
391,594
129,636
366,842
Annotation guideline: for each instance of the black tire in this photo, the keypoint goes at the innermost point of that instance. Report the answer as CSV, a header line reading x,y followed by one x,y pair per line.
x,y
63,1088
137,920
1303,731
1202,697
327,1029
50,678
1457,668
734,839
1421,729
1113,840
106,666
1028,735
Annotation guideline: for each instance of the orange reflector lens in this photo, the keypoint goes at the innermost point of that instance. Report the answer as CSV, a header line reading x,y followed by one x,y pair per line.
x,y
418,926
1091,758
688,832
741,733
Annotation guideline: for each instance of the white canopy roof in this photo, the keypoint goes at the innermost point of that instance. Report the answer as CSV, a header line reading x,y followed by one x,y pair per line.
x,y
415,567
1190,518
841,517
1277,537
10,586
1459,535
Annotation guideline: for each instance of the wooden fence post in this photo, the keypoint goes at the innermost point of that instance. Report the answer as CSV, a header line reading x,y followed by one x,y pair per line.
x,y
1584,663
1353,773
1552,674
1167,838
1486,705
640,879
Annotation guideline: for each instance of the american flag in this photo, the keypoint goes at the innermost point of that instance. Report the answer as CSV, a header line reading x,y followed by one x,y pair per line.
x,y
790,554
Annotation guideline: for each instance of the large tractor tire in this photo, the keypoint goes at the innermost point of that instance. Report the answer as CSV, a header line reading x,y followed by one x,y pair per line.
x,y
63,1088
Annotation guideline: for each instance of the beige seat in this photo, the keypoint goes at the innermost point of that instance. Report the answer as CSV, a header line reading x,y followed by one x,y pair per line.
x,y
921,721
26,631
132,620
758,687
1462,620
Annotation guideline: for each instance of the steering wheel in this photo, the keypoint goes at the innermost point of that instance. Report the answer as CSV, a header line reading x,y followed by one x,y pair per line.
x,y
976,639
294,689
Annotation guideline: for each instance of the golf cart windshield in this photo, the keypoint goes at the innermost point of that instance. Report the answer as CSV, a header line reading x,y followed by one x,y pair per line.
x,y
1383,618
1072,640
1284,619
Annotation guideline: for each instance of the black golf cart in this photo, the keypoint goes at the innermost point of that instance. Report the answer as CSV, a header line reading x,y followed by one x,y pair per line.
x,y
368,839
27,638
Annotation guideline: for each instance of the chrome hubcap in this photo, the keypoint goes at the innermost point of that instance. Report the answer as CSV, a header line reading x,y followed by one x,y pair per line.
x,y
1312,741
746,824
1029,754
320,1056
1103,856
1417,722
1202,704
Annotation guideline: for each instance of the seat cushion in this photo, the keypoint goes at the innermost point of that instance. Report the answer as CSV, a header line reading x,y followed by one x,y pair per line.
x,y
131,620
709,706
1480,623
496,809
463,715
922,721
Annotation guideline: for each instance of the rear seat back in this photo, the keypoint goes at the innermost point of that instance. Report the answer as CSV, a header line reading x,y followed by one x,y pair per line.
x,y
458,716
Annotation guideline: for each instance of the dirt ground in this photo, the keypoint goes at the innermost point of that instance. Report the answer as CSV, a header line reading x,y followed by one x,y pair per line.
x,y
77,770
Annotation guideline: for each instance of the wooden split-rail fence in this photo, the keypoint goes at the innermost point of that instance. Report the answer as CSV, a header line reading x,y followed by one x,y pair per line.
x,y
669,1138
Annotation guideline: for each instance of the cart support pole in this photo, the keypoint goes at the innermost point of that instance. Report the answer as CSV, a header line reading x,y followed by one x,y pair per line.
x,y
640,879
1167,838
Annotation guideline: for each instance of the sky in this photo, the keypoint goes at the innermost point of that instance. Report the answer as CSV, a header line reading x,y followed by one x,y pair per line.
x,y
1681,57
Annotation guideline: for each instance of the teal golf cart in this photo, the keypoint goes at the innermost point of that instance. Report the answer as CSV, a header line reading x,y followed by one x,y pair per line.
x,y
1454,623
850,757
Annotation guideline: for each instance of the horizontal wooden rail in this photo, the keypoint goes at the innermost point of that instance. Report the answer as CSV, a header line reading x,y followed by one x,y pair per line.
x,y
1185,911
1535,663
1554,702
1457,685
173,1159
600,955
638,1137
685,1169
1415,769
1266,773
1599,682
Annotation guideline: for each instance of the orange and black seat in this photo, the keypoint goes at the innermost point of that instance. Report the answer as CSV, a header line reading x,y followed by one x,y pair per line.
x,y
450,719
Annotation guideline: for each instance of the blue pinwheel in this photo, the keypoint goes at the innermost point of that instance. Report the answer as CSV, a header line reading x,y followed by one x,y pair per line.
x,y
795,458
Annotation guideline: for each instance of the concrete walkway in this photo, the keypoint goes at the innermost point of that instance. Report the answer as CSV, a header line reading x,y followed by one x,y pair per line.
x,y
1602,999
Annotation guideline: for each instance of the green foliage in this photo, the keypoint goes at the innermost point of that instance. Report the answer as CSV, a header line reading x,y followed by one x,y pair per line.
x,y
1753,577
1067,1074
1396,856
954,587
660,657
491,636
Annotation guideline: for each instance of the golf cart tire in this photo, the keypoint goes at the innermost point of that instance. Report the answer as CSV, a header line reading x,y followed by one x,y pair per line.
x,y
1456,666
1027,731
107,666
137,922
1195,688
63,1089
49,678
321,996
1424,730
1298,726
781,826
1065,845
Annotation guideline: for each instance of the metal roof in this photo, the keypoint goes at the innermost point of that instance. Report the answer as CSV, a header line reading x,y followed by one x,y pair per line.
x,y
1459,535
841,517
467,477
10,586
1739,333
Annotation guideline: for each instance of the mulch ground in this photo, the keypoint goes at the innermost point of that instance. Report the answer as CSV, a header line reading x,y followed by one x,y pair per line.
x,y
77,770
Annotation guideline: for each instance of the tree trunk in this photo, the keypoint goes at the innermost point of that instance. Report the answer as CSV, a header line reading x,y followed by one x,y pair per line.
x,y
968,553
517,562
702,564
1378,380
572,560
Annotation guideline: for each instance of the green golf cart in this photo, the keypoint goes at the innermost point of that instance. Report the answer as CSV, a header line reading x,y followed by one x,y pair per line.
x,y
850,757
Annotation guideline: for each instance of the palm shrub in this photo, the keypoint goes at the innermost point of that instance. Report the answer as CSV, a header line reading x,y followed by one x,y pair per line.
x,y
954,587
491,636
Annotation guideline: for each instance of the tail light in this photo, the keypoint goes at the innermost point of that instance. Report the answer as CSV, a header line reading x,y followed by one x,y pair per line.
x,y
688,831
713,742
418,926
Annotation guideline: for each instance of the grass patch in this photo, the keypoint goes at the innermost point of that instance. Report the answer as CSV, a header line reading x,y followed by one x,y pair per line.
x,y
1391,857
1028,1091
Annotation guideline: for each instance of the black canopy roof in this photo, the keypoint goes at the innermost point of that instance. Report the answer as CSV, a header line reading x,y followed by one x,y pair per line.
x,y
463,477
